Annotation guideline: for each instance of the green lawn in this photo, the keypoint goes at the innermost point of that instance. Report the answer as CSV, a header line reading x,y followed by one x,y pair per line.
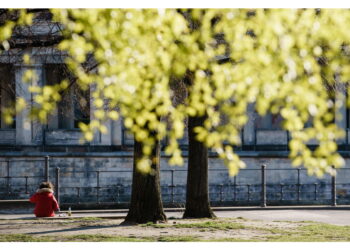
x,y
314,232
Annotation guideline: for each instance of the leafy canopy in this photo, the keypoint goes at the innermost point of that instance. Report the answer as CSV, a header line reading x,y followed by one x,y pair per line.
x,y
287,61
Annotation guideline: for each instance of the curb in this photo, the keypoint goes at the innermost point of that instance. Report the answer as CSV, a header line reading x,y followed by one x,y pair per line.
x,y
226,209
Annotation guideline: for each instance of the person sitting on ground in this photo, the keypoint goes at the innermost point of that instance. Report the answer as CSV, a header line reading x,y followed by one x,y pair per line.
x,y
45,201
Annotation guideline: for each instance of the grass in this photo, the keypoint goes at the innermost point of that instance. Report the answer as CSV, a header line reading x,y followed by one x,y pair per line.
x,y
178,238
295,222
102,238
314,232
92,238
23,238
219,225
213,224
233,240
73,238
83,221
155,225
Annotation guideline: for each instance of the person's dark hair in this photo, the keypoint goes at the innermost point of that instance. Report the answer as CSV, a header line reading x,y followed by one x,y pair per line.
x,y
46,184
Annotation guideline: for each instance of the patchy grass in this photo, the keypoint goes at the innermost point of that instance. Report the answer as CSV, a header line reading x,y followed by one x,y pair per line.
x,y
155,225
23,238
102,238
219,225
296,222
216,230
178,238
233,240
76,222
73,238
314,232
213,224
92,238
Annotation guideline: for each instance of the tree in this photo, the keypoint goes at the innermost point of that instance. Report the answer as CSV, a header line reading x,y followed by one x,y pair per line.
x,y
197,193
275,64
146,203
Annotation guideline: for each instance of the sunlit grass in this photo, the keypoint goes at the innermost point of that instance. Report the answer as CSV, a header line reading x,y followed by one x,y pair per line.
x,y
23,238
314,232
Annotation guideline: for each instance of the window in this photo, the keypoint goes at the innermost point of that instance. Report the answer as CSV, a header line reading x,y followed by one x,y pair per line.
x,y
74,106
7,93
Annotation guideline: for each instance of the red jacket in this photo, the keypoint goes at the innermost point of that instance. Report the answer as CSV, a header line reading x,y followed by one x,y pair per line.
x,y
45,203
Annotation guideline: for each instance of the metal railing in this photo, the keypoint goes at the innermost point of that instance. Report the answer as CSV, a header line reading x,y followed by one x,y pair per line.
x,y
258,187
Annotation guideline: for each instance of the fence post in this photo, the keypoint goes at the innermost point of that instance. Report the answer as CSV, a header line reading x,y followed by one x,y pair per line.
x,y
248,192
298,185
58,184
8,176
47,166
315,191
78,194
281,191
172,186
117,194
235,188
172,177
221,193
26,178
263,185
334,190
98,187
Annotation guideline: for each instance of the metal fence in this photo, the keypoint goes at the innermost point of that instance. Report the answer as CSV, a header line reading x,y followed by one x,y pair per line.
x,y
253,186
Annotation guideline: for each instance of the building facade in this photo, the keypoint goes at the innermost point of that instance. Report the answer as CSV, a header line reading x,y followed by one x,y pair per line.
x,y
99,172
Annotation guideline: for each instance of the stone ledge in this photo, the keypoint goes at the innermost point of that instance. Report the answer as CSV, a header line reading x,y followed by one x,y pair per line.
x,y
15,205
129,154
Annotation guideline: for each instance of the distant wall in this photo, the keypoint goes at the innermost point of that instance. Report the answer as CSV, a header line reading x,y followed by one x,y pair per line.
x,y
108,179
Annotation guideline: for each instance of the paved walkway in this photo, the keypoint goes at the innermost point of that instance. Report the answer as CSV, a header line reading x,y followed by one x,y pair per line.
x,y
336,216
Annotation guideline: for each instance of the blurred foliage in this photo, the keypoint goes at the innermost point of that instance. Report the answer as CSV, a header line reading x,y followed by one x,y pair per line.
x,y
287,61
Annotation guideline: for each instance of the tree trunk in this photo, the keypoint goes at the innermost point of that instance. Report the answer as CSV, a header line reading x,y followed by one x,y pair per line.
x,y
197,195
146,203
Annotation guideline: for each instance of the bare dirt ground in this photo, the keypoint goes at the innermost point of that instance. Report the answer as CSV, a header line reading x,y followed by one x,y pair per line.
x,y
237,225
203,229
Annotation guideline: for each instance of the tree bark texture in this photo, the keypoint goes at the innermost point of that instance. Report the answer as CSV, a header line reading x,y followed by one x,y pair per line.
x,y
146,203
197,195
